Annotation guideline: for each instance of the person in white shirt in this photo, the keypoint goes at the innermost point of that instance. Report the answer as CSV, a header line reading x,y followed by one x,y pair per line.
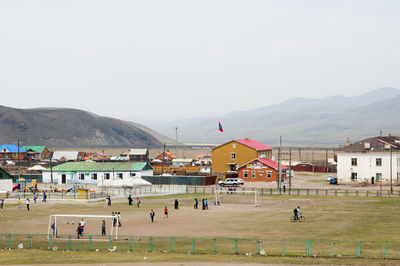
x,y
27,204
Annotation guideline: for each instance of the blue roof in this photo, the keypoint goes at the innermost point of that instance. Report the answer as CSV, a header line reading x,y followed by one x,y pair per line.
x,y
11,148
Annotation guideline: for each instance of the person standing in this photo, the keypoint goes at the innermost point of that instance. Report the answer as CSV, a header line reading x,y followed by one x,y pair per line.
x,y
82,224
206,204
109,200
119,219
138,202
19,202
114,220
27,204
53,227
1,203
34,197
152,214
130,200
176,204
103,228
79,231
44,196
165,212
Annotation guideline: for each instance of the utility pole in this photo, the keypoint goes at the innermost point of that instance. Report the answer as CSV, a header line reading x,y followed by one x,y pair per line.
x,y
51,171
176,140
290,170
279,163
326,161
299,154
391,183
162,164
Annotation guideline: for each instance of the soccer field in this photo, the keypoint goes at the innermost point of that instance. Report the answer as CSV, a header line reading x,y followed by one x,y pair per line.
x,y
327,219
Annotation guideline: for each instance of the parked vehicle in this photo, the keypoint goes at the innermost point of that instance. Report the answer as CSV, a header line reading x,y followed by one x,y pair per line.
x,y
231,182
332,180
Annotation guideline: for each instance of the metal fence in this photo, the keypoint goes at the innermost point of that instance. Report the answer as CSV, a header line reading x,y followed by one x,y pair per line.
x,y
204,245
299,191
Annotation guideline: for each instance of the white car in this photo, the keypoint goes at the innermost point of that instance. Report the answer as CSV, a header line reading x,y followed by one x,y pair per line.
x,y
231,182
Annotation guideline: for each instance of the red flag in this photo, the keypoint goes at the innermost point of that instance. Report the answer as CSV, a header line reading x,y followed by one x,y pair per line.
x,y
220,127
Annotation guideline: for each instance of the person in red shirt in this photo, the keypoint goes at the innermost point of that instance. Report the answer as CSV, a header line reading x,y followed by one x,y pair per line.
x,y
165,212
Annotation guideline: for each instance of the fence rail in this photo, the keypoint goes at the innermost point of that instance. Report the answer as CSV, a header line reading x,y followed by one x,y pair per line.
x,y
300,191
204,245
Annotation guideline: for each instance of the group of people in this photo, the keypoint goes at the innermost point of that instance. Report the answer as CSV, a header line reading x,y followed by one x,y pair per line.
x,y
116,218
130,201
204,204
108,202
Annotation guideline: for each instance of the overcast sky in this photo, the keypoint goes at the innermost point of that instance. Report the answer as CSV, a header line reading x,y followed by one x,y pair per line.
x,y
153,60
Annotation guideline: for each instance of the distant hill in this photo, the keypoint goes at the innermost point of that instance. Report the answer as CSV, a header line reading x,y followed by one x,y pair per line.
x,y
301,121
70,127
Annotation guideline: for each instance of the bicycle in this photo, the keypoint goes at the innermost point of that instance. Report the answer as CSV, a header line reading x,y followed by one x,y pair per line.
x,y
300,218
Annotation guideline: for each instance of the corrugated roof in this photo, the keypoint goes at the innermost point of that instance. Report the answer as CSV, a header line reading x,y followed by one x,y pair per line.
x,y
11,148
254,144
138,152
101,167
267,161
38,149
68,155
375,144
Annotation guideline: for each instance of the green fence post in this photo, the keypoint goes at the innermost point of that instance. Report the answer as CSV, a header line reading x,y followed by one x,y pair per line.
x,y
270,191
377,193
69,242
333,249
9,241
398,194
214,245
308,191
335,192
172,245
110,242
298,191
90,242
195,190
326,192
262,191
356,193
236,247
258,246
358,249
151,244
283,247
212,190
308,248
29,241
193,245
204,190
367,193
346,193
383,250
50,242
388,193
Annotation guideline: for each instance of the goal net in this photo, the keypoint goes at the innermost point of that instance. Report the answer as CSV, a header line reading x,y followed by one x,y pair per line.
x,y
246,198
65,225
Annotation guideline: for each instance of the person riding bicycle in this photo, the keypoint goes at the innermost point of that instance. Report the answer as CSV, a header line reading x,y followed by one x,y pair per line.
x,y
296,213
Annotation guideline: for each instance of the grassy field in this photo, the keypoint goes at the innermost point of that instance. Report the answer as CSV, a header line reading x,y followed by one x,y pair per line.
x,y
342,219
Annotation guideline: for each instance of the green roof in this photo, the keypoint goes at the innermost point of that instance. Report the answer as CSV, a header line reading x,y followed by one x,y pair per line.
x,y
101,167
37,149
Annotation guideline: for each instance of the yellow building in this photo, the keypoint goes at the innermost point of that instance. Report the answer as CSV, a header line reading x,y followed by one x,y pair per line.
x,y
227,157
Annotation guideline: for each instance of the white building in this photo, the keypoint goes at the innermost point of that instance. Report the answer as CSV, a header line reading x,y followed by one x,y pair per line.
x,y
121,173
370,160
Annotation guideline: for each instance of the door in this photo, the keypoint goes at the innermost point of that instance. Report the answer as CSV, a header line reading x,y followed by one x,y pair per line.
x,y
63,178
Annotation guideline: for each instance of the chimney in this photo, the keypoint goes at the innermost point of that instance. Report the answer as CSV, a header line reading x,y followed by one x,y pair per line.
x,y
367,145
389,135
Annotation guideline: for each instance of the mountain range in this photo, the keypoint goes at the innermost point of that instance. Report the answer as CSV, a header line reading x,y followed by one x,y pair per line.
x,y
301,121
71,127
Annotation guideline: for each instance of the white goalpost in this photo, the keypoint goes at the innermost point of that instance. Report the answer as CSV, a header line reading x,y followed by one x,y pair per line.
x,y
66,224
246,197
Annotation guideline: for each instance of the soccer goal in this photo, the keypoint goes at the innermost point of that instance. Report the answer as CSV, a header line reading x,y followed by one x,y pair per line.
x,y
63,225
246,198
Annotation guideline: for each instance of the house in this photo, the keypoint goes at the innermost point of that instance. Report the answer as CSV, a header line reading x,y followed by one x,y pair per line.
x,y
94,156
10,152
66,156
227,157
97,172
166,156
37,152
261,170
139,155
369,160
182,162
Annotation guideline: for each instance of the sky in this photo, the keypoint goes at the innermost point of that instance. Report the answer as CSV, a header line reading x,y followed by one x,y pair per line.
x,y
153,61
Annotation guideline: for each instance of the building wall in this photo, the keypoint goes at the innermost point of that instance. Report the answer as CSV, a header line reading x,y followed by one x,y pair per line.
x,y
260,175
221,156
366,167
13,156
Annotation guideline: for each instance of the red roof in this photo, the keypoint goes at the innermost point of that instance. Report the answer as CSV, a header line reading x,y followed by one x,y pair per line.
x,y
254,144
271,163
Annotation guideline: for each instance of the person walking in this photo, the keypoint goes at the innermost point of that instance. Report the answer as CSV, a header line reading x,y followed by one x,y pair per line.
x,y
103,228
27,204
152,214
1,203
34,197
165,212
79,231
206,204
203,206
19,202
138,202
109,200
119,219
176,204
114,219
44,196
82,224
130,200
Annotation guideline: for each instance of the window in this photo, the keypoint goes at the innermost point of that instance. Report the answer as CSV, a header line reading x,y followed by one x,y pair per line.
x,y
233,156
107,176
269,174
234,146
354,161
82,176
119,175
378,177
245,174
353,176
262,155
378,161
253,174
94,176
133,174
